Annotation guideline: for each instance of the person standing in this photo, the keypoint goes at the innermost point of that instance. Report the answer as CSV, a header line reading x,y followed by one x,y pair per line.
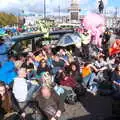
x,y
85,37
106,42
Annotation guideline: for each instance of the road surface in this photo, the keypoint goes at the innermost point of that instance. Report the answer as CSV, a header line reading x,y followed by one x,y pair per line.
x,y
90,108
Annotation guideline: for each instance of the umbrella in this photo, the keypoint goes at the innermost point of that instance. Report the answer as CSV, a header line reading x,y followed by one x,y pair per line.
x,y
69,39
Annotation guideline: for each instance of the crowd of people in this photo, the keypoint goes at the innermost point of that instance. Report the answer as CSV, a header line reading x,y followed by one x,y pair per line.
x,y
48,79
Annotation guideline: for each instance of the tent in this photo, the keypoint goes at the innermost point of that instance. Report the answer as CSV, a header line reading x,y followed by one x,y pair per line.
x,y
69,39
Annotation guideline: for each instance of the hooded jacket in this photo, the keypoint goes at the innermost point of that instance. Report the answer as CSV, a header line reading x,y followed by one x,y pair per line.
x,y
7,72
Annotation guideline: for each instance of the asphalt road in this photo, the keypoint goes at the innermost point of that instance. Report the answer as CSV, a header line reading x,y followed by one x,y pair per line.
x,y
90,108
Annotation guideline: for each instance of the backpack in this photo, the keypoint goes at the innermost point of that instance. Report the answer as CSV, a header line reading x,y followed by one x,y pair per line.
x,y
80,91
71,99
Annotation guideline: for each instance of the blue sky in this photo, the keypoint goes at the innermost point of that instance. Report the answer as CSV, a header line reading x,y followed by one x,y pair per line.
x,y
36,6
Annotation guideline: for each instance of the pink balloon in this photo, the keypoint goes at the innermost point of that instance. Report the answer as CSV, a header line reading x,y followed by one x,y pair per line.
x,y
95,23
94,20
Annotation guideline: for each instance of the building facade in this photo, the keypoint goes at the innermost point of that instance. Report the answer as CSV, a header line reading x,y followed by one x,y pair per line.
x,y
112,22
74,12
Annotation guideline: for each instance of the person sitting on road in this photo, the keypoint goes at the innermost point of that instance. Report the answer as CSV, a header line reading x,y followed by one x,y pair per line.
x,y
20,89
8,104
19,61
58,63
43,67
24,89
75,72
88,76
62,53
49,102
67,80
116,78
39,55
102,65
8,71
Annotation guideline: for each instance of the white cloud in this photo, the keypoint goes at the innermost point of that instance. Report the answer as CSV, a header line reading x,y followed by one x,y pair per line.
x,y
82,2
105,2
5,4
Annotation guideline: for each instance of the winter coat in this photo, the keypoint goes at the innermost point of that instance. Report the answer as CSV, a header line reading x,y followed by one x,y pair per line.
x,y
7,72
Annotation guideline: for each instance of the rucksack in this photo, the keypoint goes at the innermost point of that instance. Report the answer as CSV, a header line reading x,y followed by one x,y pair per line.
x,y
80,91
71,99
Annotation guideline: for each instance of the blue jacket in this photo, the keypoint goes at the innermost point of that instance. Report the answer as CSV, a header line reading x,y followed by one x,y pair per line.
x,y
3,49
7,72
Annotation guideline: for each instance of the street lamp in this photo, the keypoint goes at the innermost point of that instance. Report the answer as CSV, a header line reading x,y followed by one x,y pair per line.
x,y
59,11
115,16
44,9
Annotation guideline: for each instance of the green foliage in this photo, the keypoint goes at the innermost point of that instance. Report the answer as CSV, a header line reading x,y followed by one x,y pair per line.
x,y
7,19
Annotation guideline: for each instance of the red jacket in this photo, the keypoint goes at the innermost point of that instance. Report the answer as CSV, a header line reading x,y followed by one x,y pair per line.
x,y
69,82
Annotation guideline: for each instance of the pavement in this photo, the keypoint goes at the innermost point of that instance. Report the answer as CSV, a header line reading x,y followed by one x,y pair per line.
x,y
90,108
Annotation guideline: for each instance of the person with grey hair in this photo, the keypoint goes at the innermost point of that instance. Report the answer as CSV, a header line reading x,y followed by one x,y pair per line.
x,y
50,103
